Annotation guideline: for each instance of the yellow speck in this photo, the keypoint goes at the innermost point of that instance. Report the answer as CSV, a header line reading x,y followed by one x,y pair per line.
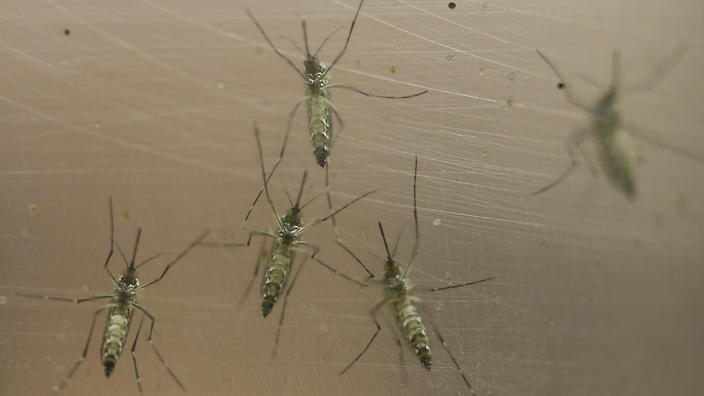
x,y
484,153
85,288
437,221
392,69
3,300
221,85
33,208
126,216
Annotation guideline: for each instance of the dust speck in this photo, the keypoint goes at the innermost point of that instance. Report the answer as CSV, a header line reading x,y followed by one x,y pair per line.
x,y
33,208
3,300
126,216
220,84
451,5
85,288
450,57
512,76
437,221
67,32
392,69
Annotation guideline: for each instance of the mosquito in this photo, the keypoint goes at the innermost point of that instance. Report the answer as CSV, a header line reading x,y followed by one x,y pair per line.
x,y
403,295
618,156
124,302
316,76
286,239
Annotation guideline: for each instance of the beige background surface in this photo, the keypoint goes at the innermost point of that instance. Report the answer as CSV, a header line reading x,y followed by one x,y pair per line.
x,y
153,101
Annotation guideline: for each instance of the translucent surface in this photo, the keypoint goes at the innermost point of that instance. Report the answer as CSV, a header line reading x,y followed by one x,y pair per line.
x,y
153,102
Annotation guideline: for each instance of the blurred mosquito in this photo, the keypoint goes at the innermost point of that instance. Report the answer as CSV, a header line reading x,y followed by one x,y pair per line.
x,y
618,156
286,240
315,75
399,291
124,301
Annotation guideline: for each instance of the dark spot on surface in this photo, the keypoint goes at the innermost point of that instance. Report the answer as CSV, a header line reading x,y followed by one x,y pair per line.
x,y
451,5
67,32
560,85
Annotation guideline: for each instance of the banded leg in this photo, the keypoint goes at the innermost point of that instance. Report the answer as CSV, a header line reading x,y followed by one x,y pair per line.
x,y
371,95
65,299
134,358
338,273
338,240
283,309
571,146
434,289
68,377
281,155
262,233
454,361
372,313
156,351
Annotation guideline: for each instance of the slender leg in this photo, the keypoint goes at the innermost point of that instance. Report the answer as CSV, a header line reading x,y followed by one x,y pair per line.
x,y
112,244
571,146
264,179
414,252
66,380
430,290
134,358
284,57
257,266
338,240
156,351
347,41
176,259
338,273
454,361
65,299
262,233
372,313
283,309
281,155
315,249
351,88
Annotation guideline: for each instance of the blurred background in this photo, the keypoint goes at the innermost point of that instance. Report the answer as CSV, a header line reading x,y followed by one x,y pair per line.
x,y
153,102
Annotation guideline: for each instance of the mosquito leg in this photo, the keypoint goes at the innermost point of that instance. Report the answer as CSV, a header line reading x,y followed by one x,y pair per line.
x,y
454,361
66,380
338,240
283,309
112,244
571,146
257,266
262,233
372,314
284,57
431,290
315,249
338,273
134,358
351,88
347,41
281,155
65,299
176,259
156,351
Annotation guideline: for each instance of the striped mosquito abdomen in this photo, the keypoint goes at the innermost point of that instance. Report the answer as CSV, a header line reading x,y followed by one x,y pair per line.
x,y
319,117
413,329
276,275
116,329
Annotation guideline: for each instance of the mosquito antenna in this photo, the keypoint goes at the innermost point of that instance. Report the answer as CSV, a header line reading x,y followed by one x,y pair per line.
x,y
615,70
326,40
343,207
119,249
300,191
398,239
283,183
386,245
311,200
298,47
151,258
264,178
305,37
136,245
